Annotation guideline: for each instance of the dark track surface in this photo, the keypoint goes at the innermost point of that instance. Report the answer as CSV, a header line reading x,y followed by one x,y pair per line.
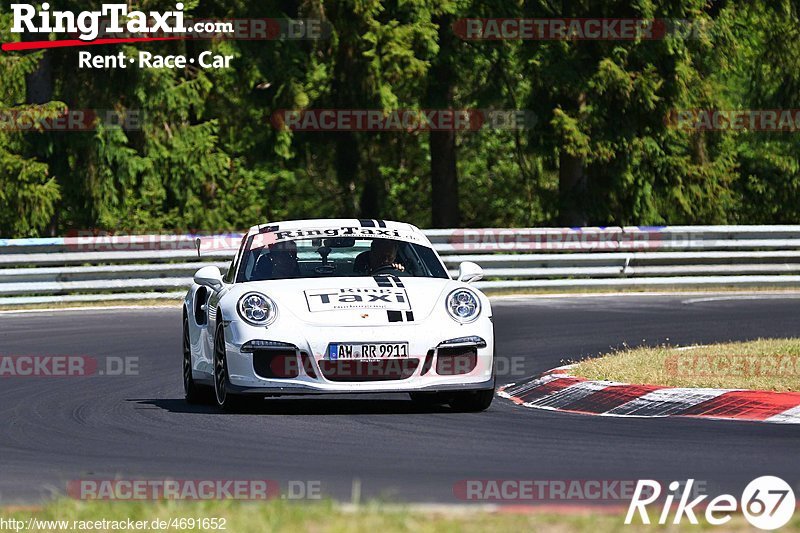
x,y
57,429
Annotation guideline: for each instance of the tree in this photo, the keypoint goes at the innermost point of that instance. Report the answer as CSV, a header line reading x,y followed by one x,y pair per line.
x,y
28,193
442,80
602,107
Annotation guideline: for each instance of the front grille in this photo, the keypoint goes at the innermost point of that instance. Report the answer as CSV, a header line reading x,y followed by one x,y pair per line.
x,y
276,364
382,370
456,361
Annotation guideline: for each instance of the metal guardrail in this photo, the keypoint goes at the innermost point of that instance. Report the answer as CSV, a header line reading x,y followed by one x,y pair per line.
x,y
75,269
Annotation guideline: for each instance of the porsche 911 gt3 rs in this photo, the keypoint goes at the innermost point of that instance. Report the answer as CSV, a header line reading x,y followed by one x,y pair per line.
x,y
338,306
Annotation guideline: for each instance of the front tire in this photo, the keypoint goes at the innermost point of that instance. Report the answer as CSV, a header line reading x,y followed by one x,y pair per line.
x,y
225,399
472,401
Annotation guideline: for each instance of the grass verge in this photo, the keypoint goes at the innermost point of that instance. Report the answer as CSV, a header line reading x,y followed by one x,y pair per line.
x,y
243,517
763,364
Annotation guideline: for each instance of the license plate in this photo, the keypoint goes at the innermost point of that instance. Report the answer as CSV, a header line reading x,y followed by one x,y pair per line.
x,y
367,350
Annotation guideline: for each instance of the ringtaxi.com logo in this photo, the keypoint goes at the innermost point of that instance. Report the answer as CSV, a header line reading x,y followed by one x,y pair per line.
x,y
87,24
768,503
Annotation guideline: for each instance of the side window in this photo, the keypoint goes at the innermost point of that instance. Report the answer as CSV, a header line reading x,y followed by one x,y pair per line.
x,y
250,265
230,275
429,258
228,278
410,261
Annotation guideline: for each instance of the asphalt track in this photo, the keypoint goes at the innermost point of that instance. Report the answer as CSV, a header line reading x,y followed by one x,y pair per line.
x,y
59,429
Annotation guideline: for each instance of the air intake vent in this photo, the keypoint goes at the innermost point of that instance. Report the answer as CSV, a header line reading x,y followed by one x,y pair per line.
x,y
456,361
276,364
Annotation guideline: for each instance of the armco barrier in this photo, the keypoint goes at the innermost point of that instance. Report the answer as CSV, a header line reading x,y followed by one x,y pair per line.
x,y
75,269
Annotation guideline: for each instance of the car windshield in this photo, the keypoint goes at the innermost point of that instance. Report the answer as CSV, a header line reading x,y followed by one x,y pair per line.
x,y
338,257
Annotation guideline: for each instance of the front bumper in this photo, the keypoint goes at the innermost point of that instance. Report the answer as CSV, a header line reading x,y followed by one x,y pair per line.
x,y
300,389
310,346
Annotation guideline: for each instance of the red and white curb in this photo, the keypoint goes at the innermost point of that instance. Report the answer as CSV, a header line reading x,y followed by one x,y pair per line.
x,y
557,390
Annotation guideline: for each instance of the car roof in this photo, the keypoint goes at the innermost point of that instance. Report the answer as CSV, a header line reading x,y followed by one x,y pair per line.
x,y
322,223
267,234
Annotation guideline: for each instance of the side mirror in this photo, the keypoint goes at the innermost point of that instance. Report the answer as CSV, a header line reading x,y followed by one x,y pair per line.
x,y
210,277
469,271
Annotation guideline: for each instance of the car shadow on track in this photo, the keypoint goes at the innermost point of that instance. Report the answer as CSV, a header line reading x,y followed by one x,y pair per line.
x,y
302,406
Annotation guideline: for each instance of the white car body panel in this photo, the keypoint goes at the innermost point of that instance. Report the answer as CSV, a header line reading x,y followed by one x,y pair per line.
x,y
307,321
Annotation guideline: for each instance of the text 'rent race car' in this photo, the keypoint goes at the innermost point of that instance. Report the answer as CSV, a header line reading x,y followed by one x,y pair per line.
x,y
338,306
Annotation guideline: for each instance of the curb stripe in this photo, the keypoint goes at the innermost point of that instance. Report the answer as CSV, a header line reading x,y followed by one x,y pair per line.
x,y
611,397
513,389
545,389
563,398
558,391
666,402
751,405
792,416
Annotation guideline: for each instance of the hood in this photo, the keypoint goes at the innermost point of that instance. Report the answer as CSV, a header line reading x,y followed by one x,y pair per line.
x,y
354,301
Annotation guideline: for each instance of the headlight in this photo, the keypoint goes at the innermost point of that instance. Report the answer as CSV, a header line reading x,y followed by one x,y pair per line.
x,y
463,305
257,309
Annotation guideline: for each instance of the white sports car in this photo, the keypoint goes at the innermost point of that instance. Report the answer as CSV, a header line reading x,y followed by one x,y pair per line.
x,y
338,306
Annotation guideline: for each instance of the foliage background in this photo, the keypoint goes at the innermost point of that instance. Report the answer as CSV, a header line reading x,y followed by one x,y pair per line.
x,y
600,152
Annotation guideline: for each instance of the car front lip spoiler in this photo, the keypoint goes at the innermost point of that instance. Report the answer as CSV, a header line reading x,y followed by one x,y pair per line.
x,y
302,389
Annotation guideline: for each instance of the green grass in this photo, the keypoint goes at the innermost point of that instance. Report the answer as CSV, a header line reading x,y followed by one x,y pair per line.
x,y
324,517
764,364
